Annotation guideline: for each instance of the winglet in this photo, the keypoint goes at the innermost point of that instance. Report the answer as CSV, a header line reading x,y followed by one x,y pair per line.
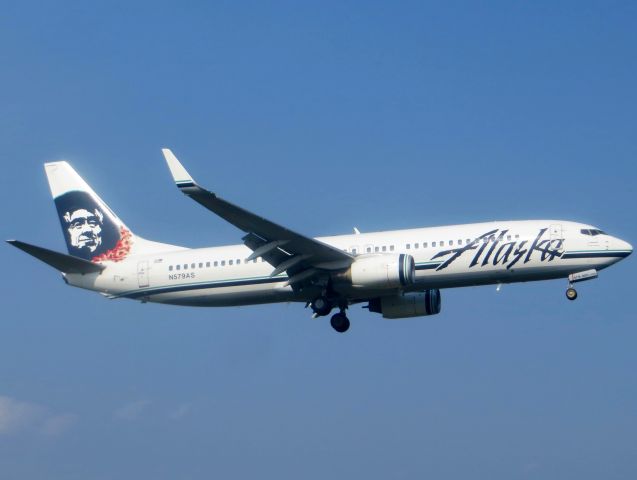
x,y
181,177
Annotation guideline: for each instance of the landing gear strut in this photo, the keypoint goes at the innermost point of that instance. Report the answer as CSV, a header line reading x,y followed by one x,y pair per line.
x,y
571,293
340,322
323,305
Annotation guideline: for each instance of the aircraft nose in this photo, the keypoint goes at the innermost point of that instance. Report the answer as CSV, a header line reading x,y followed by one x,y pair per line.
x,y
624,246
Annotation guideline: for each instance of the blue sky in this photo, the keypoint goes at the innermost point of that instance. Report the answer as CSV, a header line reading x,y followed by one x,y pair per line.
x,y
322,116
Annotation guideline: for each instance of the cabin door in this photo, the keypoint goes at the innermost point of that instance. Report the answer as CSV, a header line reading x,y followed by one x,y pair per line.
x,y
142,273
556,231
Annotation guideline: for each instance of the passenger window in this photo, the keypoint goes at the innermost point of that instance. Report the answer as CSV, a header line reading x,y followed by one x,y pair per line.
x,y
442,244
223,263
433,244
369,249
384,248
376,249
416,245
408,246
517,236
353,251
200,265
192,265
170,269
391,247
238,261
508,237
216,264
451,243
229,262
468,240
424,244
178,267
207,264
460,241
185,266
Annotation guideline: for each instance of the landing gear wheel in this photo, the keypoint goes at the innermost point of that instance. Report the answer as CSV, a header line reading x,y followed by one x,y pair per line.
x,y
340,322
571,293
321,306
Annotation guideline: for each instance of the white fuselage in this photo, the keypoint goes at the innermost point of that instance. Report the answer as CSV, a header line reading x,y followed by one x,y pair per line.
x,y
445,257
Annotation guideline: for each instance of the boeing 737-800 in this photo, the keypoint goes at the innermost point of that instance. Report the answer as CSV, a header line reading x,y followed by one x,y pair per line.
x,y
398,274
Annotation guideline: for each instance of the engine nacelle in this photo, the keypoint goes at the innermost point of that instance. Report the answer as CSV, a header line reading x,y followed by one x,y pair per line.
x,y
414,304
382,271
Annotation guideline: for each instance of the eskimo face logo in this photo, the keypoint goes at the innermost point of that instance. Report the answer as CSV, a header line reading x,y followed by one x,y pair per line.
x,y
90,231
85,228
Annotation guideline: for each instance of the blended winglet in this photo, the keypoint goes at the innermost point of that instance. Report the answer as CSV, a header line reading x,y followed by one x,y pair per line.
x,y
180,175
264,237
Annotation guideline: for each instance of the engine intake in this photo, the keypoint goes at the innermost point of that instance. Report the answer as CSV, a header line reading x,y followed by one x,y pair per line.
x,y
414,304
382,271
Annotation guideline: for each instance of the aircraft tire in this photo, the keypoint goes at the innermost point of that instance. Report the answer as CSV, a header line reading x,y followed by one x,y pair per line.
x,y
340,322
321,306
571,293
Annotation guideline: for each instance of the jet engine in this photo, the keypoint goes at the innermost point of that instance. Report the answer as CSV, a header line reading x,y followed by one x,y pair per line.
x,y
381,271
413,304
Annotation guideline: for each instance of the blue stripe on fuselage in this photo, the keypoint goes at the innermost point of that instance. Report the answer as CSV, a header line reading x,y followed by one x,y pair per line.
x,y
596,254
200,286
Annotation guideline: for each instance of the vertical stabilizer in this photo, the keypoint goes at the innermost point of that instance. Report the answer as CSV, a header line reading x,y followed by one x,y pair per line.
x,y
91,230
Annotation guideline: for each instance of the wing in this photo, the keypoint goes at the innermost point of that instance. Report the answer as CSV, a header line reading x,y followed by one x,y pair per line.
x,y
287,251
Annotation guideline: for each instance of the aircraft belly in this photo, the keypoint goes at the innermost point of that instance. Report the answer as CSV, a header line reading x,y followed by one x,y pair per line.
x,y
227,296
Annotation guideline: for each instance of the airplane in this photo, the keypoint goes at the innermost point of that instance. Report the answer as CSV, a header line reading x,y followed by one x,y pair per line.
x,y
398,274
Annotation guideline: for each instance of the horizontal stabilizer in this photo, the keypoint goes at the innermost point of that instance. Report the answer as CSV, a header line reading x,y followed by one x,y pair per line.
x,y
60,261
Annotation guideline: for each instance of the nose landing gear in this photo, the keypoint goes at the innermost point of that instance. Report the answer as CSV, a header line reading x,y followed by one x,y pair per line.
x,y
571,293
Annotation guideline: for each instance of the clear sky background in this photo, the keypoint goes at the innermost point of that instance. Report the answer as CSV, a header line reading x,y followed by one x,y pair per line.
x,y
321,116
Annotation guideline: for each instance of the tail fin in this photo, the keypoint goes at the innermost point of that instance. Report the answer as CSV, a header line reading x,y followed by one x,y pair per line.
x,y
91,230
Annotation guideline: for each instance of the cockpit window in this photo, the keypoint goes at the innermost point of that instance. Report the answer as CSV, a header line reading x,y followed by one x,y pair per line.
x,y
592,232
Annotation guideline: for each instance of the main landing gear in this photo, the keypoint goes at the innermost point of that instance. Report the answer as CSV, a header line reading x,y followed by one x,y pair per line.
x,y
322,306
340,322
